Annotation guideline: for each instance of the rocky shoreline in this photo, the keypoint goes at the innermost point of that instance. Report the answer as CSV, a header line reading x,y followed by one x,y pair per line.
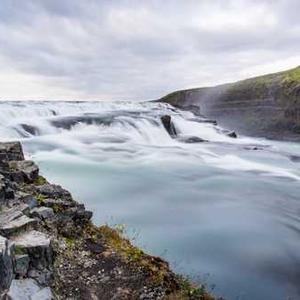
x,y
50,249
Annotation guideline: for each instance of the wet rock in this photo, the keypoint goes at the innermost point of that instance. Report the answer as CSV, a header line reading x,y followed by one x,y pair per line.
x,y
30,129
192,140
294,158
203,120
232,134
42,212
24,171
168,124
6,265
21,264
38,247
11,151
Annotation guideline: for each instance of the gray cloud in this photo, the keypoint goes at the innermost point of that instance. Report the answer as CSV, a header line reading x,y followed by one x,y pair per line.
x,y
140,49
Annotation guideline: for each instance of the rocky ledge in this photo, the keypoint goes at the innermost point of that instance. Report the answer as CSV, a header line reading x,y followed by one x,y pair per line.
x,y
50,249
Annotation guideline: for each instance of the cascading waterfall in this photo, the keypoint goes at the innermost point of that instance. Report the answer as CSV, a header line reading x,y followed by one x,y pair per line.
x,y
206,203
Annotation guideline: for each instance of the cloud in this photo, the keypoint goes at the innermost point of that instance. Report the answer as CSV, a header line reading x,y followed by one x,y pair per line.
x,y
72,49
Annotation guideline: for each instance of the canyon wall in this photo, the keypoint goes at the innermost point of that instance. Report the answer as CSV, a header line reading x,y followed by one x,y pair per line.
x,y
266,106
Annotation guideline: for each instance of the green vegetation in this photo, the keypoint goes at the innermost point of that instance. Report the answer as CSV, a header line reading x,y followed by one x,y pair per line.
x,y
292,75
40,199
18,250
40,180
70,242
157,268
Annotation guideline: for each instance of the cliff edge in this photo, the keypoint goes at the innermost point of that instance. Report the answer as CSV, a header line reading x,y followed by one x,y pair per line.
x,y
265,106
50,249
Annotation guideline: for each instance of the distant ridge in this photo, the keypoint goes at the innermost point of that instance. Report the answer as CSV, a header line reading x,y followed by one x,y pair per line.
x,y
266,106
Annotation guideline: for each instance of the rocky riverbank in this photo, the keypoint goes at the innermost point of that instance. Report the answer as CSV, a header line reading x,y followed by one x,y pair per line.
x,y
50,249
266,106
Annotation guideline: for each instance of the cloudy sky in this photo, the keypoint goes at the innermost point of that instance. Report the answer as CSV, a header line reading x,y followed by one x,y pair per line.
x,y
97,49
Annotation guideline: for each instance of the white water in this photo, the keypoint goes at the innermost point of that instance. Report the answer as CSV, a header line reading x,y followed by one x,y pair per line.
x,y
227,207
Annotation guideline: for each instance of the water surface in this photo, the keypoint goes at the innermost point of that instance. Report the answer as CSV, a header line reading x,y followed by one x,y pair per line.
x,y
225,212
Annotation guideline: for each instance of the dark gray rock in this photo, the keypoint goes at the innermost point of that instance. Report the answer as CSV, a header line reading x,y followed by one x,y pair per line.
x,y
2,190
38,247
16,226
58,203
168,124
6,265
42,212
21,264
43,277
191,139
11,151
53,191
32,130
24,171
232,134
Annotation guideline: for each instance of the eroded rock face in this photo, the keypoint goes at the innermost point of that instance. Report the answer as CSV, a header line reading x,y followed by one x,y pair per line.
x,y
11,151
49,244
28,289
267,106
37,246
24,171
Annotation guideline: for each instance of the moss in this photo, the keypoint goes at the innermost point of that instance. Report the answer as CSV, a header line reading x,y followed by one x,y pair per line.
x,y
18,250
40,180
40,199
70,242
113,238
188,290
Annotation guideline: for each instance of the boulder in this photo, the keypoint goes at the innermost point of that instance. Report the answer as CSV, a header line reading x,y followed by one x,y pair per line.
x,y
17,225
32,130
11,151
168,124
37,246
42,212
6,265
28,289
232,134
53,191
43,294
24,171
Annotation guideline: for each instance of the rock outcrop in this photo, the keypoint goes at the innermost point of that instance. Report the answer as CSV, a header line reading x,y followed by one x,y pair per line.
x,y
50,249
266,106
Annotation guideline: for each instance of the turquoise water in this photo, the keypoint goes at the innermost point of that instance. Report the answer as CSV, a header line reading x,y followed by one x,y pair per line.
x,y
221,212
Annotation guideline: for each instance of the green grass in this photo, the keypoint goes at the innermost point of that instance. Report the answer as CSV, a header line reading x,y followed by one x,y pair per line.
x,y
292,75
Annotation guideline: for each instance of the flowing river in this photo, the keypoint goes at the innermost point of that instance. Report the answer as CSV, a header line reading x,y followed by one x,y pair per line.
x,y
225,212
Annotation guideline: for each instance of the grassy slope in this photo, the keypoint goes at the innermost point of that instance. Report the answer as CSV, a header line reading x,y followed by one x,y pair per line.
x,y
258,87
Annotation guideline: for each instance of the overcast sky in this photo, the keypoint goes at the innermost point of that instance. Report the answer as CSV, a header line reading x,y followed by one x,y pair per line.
x,y
96,49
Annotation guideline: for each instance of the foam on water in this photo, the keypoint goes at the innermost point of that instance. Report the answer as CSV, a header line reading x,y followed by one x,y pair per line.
x,y
207,203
